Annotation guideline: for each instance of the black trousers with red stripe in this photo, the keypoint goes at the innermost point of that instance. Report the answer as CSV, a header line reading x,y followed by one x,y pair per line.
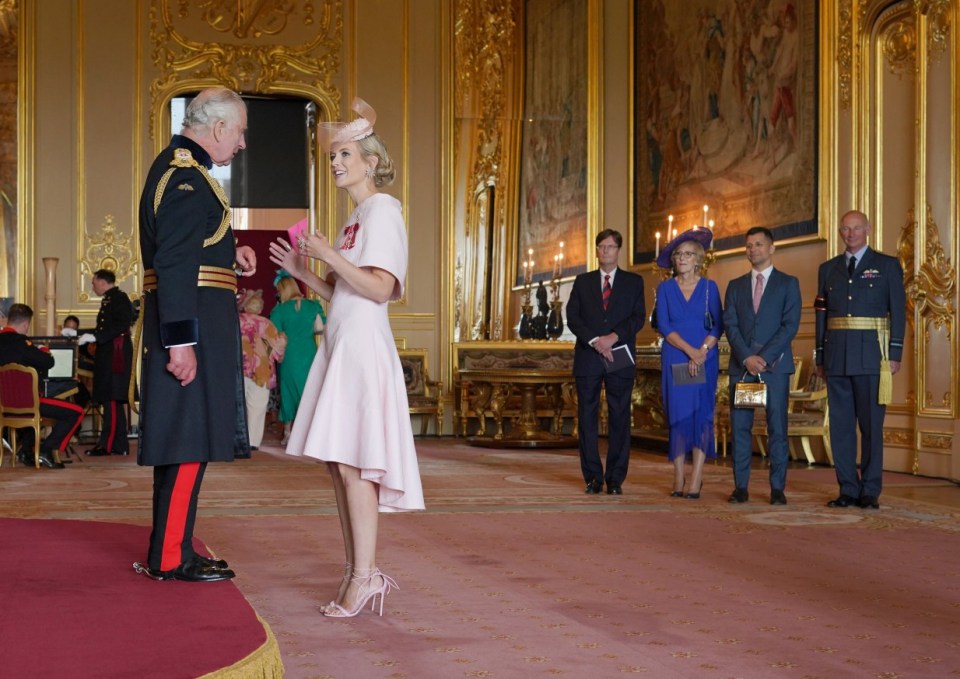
x,y
176,488
113,434
66,418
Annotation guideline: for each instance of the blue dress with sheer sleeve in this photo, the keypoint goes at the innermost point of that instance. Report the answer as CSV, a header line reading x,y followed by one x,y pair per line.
x,y
689,408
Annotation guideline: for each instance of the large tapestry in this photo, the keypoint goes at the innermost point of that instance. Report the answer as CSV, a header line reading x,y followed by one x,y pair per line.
x,y
725,128
553,158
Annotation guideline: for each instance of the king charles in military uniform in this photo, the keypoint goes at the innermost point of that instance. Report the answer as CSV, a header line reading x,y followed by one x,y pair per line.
x,y
192,402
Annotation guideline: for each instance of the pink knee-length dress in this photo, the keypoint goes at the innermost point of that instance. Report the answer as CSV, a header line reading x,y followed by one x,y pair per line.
x,y
354,407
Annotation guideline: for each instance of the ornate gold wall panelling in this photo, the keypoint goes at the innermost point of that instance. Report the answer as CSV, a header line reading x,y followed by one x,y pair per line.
x,y
896,72
486,111
108,249
489,55
267,47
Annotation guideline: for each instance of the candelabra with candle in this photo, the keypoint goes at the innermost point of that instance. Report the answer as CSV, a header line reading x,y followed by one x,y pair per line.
x,y
526,309
555,320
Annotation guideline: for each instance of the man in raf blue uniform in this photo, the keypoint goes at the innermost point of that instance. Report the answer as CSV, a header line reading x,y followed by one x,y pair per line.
x,y
861,316
192,407
761,316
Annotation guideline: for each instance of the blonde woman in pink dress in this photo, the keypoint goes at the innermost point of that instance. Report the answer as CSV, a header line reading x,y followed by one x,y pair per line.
x,y
354,414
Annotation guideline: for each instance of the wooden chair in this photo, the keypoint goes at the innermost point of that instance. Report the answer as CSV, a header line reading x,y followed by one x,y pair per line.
x,y
20,406
425,396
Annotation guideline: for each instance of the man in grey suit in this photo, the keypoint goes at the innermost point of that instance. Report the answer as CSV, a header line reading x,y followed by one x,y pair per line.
x,y
761,317
861,317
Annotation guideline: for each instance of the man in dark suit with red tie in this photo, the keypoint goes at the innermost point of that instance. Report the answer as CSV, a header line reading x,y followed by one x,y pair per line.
x,y
605,312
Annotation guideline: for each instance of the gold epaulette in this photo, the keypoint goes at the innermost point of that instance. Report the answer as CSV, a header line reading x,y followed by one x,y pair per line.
x,y
183,158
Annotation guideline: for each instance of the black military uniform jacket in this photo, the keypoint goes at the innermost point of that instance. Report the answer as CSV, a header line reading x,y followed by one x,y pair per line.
x,y
185,228
113,358
17,348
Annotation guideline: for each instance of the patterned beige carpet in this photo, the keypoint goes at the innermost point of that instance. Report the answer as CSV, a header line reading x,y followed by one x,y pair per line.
x,y
514,572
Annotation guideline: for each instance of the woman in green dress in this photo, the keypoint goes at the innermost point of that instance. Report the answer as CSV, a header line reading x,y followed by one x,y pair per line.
x,y
301,320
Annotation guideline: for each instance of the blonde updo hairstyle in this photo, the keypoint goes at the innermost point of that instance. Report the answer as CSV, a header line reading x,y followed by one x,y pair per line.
x,y
288,289
384,173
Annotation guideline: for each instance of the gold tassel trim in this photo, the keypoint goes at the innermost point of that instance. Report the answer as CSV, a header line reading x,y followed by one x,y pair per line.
x,y
263,663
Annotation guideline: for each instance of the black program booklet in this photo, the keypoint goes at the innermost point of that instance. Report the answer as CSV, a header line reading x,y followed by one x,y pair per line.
x,y
622,358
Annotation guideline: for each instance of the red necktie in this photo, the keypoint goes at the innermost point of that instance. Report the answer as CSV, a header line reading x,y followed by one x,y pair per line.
x,y
606,291
757,292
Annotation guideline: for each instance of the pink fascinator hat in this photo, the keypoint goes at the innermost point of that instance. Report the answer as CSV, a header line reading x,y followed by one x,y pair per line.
x,y
329,134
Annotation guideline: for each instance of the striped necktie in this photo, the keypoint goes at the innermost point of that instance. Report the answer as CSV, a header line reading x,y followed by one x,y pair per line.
x,y
606,291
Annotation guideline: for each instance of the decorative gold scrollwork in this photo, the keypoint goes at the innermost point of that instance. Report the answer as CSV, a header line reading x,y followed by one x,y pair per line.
x,y
305,65
845,52
931,288
899,45
938,24
109,250
247,18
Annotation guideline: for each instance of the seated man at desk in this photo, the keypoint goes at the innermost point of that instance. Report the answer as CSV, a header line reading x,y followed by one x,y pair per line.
x,y
16,347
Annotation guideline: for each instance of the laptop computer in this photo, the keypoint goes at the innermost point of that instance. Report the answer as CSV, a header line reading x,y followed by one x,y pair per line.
x,y
62,376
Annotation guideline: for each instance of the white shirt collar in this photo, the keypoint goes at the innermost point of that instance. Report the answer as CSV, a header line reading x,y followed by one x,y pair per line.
x,y
612,274
766,275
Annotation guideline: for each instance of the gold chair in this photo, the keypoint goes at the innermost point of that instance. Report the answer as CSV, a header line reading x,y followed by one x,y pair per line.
x,y
20,406
425,396
809,416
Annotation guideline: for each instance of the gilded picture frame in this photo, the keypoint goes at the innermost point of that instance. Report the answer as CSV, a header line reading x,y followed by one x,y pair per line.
x,y
726,125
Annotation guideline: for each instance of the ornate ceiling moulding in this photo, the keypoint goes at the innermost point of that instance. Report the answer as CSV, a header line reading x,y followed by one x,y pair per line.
x,y
930,290
252,46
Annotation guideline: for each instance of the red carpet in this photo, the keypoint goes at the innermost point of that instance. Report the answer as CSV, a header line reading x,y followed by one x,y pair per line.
x,y
73,607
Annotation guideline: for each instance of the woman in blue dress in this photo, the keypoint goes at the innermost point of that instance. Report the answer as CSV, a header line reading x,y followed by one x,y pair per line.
x,y
689,317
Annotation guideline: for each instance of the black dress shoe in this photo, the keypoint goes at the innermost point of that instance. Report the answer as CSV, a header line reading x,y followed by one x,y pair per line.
x,y
193,570
593,488
614,490
213,563
47,460
869,502
676,493
98,452
843,501
739,496
777,497
119,452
